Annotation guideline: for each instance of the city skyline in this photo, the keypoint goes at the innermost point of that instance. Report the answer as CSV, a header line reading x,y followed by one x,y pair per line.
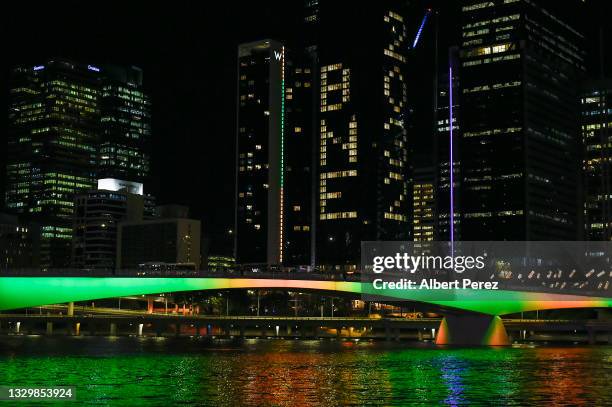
x,y
306,202
179,129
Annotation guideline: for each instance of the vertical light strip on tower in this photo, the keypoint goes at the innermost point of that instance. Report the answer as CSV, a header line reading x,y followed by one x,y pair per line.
x,y
282,157
452,186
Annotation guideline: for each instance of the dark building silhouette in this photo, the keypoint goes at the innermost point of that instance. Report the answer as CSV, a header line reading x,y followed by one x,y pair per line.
x,y
260,153
19,244
519,65
363,189
162,244
596,116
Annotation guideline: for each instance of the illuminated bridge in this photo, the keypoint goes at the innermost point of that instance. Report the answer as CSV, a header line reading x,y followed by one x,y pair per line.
x,y
471,316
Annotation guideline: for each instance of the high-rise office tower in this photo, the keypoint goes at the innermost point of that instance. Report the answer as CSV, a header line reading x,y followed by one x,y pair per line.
x,y
519,63
54,120
274,155
125,125
299,157
261,128
362,188
596,116
424,196
69,123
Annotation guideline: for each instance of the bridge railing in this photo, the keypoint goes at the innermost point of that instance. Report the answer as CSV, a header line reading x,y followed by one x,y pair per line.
x,y
283,275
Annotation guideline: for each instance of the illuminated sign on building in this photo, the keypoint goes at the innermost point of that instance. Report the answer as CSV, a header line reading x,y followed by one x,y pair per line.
x,y
112,184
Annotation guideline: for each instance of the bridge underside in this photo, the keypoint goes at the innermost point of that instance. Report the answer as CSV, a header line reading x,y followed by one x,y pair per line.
x,y
22,292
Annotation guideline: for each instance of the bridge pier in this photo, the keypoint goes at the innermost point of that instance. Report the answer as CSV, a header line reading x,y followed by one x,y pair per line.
x,y
472,330
592,336
49,328
113,329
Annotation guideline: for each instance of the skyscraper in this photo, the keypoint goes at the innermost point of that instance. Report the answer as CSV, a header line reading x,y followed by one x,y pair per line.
x,y
519,63
596,116
125,122
54,122
260,206
300,99
424,204
70,122
363,190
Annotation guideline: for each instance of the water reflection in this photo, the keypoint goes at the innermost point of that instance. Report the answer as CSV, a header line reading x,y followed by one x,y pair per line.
x,y
130,371
452,374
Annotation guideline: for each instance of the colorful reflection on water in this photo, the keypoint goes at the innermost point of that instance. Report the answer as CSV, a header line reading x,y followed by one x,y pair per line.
x,y
148,371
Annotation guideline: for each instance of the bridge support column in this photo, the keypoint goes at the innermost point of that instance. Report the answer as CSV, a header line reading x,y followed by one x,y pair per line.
x,y
71,309
49,328
592,336
113,329
149,305
289,332
472,330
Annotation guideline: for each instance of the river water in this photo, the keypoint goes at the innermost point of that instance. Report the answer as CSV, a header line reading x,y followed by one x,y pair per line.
x,y
165,372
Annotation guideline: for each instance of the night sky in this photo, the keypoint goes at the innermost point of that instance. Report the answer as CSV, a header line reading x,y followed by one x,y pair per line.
x,y
187,50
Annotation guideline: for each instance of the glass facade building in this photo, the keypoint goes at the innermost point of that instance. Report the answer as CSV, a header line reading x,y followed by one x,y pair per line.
x,y
54,120
60,115
596,121
125,121
519,65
